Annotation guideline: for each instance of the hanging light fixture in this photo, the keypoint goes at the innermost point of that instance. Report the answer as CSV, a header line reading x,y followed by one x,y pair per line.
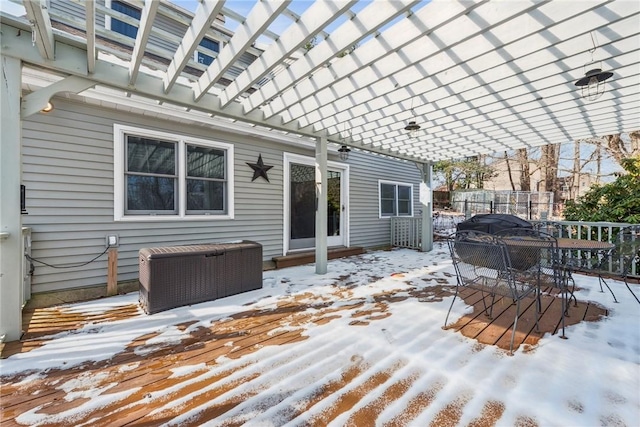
x,y
412,127
343,153
592,84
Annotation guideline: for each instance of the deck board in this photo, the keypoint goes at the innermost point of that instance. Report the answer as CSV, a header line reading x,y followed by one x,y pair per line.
x,y
141,371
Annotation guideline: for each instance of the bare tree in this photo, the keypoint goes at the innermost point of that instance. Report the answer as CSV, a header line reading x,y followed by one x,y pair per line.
x,y
506,160
549,166
619,146
575,173
525,169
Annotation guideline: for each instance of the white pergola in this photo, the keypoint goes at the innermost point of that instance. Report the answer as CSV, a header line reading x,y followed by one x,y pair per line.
x,y
477,77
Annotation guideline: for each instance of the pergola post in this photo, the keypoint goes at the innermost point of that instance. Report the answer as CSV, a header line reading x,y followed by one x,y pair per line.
x,y
321,206
10,219
426,200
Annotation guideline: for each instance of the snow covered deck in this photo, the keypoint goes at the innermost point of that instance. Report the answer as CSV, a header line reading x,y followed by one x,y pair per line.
x,y
362,345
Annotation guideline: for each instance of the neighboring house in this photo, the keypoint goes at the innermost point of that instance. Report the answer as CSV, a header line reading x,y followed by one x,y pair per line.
x,y
500,181
103,163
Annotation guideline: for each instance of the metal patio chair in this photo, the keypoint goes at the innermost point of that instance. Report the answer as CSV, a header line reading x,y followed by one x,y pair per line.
x,y
535,258
551,227
482,263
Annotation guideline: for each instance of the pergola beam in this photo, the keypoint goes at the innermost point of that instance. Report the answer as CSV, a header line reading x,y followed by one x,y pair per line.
x,y
410,30
258,20
476,76
72,60
41,23
147,17
293,38
90,33
34,102
206,13
345,36
432,55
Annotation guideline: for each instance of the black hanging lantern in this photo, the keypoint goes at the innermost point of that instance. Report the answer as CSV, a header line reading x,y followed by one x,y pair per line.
x,y
413,129
592,84
344,153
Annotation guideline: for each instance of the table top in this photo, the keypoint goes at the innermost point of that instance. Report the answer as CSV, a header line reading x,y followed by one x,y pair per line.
x,y
581,244
564,243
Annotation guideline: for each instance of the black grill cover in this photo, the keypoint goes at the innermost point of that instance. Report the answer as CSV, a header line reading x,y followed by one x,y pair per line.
x,y
492,223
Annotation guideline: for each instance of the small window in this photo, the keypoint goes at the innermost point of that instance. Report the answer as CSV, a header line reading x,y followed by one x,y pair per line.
x,y
162,176
396,199
208,44
122,27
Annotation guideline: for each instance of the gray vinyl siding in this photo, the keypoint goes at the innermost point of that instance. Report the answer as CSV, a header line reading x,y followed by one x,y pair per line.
x,y
367,228
68,169
68,173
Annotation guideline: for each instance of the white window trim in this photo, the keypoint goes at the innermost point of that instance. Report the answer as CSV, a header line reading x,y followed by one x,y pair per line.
x,y
404,184
119,132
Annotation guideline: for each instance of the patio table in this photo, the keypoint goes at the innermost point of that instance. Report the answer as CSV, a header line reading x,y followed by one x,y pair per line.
x,y
522,250
565,243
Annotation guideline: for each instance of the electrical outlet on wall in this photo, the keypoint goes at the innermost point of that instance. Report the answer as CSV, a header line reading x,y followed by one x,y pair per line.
x,y
112,241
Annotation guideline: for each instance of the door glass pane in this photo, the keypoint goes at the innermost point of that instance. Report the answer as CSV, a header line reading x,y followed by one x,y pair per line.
x,y
303,196
334,205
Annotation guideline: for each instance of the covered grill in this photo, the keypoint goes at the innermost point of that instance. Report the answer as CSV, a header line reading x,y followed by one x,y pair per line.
x,y
492,223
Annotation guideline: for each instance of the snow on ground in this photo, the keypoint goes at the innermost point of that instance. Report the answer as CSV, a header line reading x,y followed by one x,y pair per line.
x,y
408,367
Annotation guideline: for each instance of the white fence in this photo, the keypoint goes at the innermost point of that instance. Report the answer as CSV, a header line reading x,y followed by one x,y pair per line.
x,y
406,232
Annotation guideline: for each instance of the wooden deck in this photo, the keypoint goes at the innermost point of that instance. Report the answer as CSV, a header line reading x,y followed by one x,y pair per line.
x,y
144,378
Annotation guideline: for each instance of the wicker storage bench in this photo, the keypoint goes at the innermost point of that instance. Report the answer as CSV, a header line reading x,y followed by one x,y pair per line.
x,y
176,276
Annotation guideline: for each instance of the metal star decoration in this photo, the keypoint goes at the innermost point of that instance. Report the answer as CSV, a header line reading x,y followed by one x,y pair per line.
x,y
259,169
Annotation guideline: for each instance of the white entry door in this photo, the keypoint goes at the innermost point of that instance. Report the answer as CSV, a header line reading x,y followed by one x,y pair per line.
x,y
301,207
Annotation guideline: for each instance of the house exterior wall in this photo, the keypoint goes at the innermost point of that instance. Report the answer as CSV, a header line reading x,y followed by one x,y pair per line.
x,y
367,228
68,171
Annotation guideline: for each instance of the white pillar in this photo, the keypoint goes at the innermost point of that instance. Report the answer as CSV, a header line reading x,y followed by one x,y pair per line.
x,y
321,206
426,200
10,219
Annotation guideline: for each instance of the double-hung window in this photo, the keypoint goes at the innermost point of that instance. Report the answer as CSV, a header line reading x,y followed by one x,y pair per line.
x,y
122,27
164,176
396,199
208,44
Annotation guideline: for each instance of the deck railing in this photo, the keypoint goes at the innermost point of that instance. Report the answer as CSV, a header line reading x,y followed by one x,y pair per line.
x,y
406,232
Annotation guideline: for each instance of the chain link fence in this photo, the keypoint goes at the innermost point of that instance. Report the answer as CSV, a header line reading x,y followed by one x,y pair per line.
x,y
532,205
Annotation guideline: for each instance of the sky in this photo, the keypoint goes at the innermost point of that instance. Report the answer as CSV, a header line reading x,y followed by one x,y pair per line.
x,y
590,379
